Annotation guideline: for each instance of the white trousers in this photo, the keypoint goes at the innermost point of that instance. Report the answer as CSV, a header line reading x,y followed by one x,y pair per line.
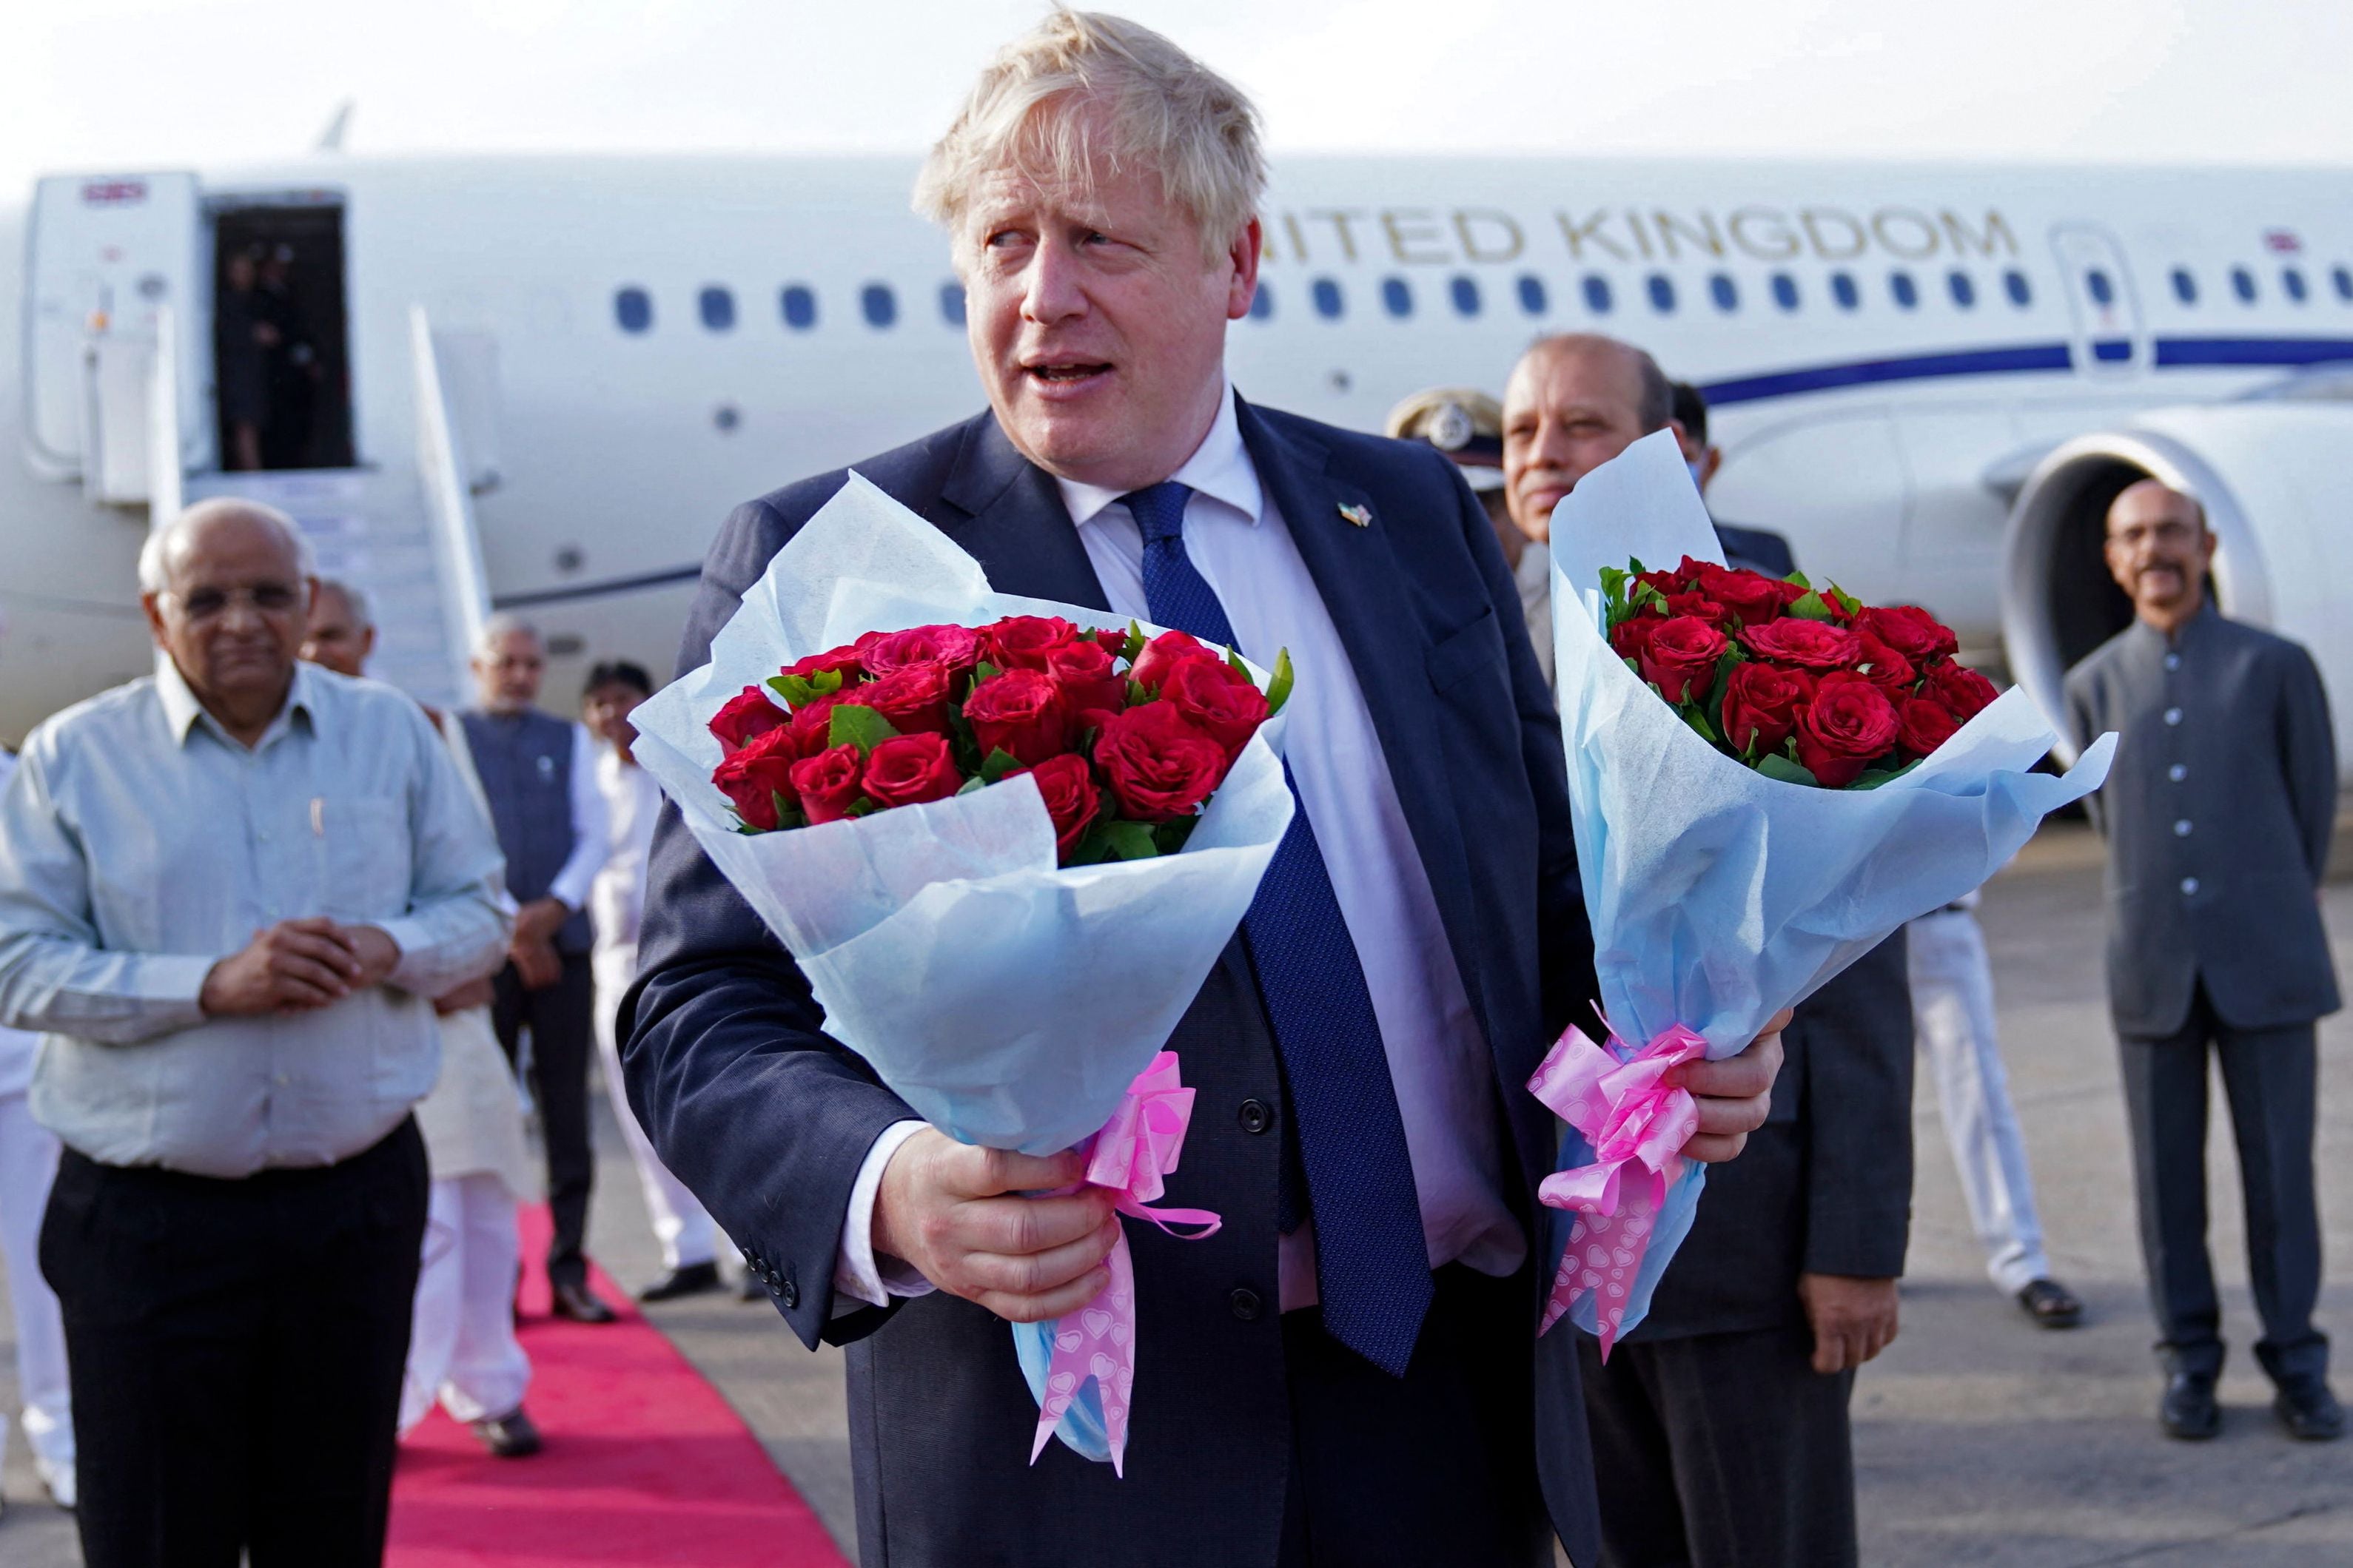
x,y
681,1223
461,1342
28,1162
1952,1008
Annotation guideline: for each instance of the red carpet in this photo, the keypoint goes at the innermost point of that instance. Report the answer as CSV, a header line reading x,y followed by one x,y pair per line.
x,y
645,1463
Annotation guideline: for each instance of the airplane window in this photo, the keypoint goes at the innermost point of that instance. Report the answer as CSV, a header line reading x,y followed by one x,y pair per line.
x,y
800,307
633,310
1785,291
2343,278
1843,290
1906,292
1662,293
1963,289
718,308
2293,281
2185,286
951,303
1531,292
1397,297
1328,303
880,305
2243,284
2021,293
1465,294
1726,293
1596,293
2096,283
1262,302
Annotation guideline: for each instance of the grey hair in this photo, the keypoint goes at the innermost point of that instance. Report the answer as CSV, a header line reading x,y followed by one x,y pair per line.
x,y
1162,111
500,627
162,544
1654,404
354,600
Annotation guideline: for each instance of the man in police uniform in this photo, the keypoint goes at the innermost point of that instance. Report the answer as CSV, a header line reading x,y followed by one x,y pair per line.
x,y
2217,813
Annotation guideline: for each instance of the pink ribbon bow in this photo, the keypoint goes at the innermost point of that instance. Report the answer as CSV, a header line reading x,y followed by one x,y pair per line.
x,y
1615,1099
1135,1149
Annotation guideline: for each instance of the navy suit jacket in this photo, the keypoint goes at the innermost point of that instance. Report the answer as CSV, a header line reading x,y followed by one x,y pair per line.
x,y
767,1120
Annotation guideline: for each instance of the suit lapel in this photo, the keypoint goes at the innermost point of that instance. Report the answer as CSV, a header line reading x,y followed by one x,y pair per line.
x,y
1006,512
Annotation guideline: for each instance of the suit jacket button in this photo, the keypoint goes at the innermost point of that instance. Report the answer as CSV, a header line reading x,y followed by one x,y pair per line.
x,y
1255,1116
790,1294
1246,1303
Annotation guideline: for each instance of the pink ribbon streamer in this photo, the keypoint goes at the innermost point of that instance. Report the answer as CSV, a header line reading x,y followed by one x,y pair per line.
x,y
1136,1148
1615,1097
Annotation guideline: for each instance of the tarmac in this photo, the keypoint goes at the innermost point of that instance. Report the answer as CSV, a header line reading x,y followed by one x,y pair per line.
x,y
1978,1437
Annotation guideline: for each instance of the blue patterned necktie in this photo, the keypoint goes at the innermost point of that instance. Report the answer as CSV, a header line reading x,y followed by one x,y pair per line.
x,y
1372,1264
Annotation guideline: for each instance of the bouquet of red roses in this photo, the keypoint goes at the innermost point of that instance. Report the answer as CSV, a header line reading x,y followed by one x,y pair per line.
x,y
1126,738
1767,779
1804,684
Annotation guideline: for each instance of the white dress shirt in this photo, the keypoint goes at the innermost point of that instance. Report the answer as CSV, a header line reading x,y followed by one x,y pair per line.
x,y
17,1047
616,901
140,845
1438,1060
592,832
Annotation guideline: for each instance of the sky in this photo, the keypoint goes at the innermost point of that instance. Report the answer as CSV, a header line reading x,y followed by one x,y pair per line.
x,y
133,84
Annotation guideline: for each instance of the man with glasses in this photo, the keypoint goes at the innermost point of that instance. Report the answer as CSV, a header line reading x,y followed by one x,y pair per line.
x,y
228,892
2216,814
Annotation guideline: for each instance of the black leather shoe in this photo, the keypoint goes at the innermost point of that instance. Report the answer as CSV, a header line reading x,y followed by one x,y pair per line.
x,y
575,1302
2051,1304
2309,1412
688,1279
510,1437
2189,1411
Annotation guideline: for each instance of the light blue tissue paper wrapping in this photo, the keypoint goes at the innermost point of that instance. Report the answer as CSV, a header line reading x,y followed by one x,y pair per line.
x,y
1718,896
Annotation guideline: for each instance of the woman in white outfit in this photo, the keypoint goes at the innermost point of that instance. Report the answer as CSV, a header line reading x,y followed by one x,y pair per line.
x,y
28,1160
690,1242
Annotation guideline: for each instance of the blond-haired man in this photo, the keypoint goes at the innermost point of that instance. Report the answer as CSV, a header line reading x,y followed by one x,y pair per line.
x,y
1348,1372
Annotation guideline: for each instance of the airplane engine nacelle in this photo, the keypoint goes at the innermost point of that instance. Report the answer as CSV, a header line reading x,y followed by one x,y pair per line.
x,y
2277,480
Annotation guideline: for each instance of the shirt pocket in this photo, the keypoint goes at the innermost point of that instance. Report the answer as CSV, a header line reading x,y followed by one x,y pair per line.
x,y
365,857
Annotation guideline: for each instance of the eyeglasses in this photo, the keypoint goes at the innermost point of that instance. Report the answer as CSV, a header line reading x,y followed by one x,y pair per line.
x,y
267,599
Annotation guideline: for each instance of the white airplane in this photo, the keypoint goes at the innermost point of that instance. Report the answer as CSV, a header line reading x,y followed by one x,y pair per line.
x,y
540,384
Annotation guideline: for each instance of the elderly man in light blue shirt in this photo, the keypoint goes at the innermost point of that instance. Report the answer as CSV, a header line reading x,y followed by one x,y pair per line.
x,y
227,895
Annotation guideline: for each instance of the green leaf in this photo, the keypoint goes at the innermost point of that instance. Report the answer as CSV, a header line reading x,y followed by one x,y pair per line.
x,y
972,783
985,672
1129,840
797,692
1000,762
1645,595
854,724
1813,607
1170,837
1135,641
1697,720
1278,685
788,813
1634,567
1872,778
864,807
1234,662
1846,600
1136,695
1774,765
1800,578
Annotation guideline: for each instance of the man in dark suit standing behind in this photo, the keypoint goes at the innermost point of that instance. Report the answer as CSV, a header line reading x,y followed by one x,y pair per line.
x,y
2217,813
1347,1370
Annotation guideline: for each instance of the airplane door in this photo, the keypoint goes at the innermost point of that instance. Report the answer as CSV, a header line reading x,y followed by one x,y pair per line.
x,y
108,254
2110,340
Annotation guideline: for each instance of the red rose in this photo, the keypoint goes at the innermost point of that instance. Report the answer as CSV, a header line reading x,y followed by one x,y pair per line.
x,y
1158,765
1848,726
1630,636
1218,700
747,716
1021,711
1022,642
1909,630
950,647
1809,644
1883,666
1696,605
1164,653
1068,787
909,770
1959,689
1681,653
1115,643
1678,581
1761,702
812,726
827,783
1750,598
913,698
1924,724
1089,679
755,773
844,659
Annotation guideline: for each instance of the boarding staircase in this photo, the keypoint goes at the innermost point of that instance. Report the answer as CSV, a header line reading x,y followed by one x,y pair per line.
x,y
402,532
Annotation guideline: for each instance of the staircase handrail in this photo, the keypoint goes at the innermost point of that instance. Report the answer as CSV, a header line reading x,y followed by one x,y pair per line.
x,y
450,508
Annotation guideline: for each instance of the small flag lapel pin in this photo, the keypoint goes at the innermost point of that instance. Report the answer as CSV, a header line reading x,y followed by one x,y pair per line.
x,y
1362,516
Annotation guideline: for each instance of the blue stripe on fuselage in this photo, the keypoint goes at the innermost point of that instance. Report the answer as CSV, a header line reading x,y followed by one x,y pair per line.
x,y
2253,351
2023,357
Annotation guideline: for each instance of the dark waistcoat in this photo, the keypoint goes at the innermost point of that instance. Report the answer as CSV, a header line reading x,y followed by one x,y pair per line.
x,y
525,764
